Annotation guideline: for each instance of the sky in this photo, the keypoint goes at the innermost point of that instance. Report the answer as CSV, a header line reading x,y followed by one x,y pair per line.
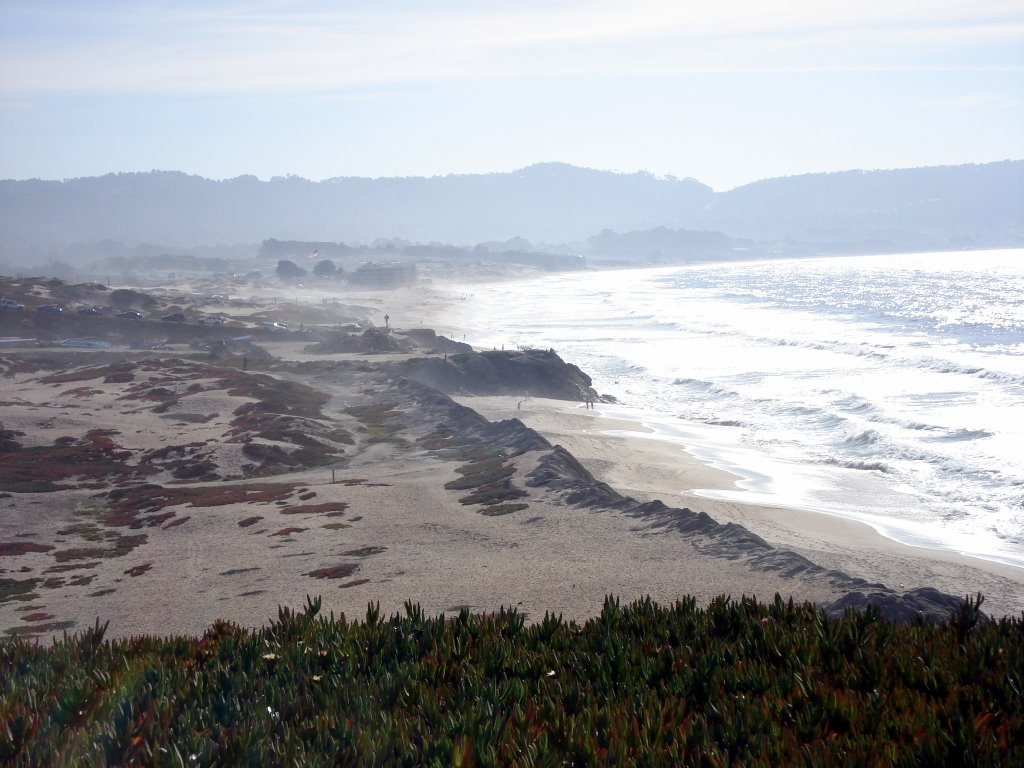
x,y
726,92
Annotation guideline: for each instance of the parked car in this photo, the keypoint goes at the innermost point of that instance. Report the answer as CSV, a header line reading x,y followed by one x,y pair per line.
x,y
129,314
50,308
174,317
90,311
211,320
274,326
10,304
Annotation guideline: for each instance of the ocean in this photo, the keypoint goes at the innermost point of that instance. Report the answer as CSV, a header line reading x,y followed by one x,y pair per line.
x,y
887,389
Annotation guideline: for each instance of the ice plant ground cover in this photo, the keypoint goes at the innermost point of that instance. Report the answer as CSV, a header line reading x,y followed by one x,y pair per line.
x,y
738,682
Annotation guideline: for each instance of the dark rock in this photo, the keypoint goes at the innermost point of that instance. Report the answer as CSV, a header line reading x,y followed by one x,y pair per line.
x,y
427,340
541,373
922,603
371,341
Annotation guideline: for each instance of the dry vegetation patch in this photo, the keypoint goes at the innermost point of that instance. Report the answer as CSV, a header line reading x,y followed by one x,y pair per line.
x,y
118,546
315,509
125,506
18,589
288,415
364,551
187,462
490,478
16,548
340,571
116,372
92,458
13,366
380,422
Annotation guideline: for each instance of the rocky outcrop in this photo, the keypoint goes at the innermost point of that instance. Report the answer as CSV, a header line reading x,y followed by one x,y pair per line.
x,y
369,342
428,341
559,471
541,373
901,608
561,474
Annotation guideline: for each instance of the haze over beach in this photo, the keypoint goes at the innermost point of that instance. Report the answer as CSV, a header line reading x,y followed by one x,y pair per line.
x,y
464,310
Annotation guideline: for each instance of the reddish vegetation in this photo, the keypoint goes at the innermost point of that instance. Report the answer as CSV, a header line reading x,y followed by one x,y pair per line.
x,y
156,390
80,392
86,374
128,504
12,367
138,570
122,546
93,457
71,567
284,412
179,521
334,571
275,395
364,552
288,531
80,553
191,462
15,548
37,616
315,509
122,373
249,521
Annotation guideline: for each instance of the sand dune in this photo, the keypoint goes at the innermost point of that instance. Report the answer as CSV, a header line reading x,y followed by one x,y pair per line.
x,y
163,490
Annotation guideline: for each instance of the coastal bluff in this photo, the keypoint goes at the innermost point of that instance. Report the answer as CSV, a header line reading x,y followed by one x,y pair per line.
x,y
536,372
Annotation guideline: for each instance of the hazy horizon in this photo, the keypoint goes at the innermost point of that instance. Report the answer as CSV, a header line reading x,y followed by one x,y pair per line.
x,y
655,175
725,95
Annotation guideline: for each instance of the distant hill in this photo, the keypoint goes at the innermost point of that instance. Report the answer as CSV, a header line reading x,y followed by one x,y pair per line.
x,y
944,206
937,207
549,202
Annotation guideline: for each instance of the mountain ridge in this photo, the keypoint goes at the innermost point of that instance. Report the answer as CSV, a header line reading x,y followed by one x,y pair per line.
x,y
970,205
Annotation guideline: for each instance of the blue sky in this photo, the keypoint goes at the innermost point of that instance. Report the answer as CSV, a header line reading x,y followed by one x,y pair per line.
x,y
725,92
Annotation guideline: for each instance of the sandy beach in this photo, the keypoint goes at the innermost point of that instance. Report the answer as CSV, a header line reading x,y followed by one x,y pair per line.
x,y
633,461
229,524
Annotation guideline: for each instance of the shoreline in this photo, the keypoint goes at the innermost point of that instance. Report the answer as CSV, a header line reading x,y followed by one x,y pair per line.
x,y
392,527
750,487
830,539
631,458
849,494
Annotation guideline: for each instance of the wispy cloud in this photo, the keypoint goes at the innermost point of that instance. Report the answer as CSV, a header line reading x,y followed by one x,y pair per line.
x,y
302,46
974,101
